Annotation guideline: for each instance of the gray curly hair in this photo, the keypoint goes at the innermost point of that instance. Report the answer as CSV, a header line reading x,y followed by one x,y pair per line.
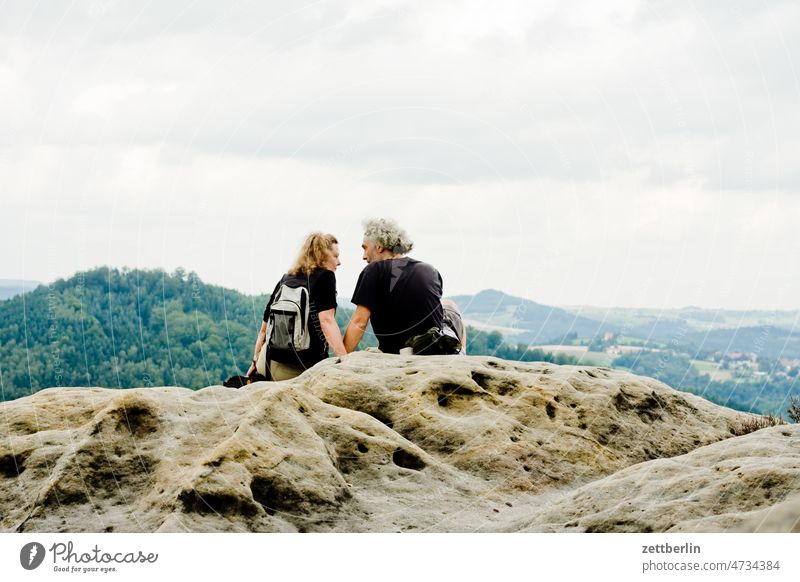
x,y
387,234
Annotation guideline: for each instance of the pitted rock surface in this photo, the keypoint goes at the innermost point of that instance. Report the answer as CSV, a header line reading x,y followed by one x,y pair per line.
x,y
377,442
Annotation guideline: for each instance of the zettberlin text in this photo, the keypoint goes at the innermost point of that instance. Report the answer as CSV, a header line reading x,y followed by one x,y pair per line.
x,y
670,549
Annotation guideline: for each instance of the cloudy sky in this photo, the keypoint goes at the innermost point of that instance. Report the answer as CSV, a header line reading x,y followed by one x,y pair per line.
x,y
629,154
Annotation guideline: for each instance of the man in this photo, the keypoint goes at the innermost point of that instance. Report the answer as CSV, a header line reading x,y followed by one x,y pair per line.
x,y
400,295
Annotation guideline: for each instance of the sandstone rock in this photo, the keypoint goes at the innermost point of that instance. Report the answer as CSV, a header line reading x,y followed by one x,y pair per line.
x,y
370,442
530,426
780,518
740,484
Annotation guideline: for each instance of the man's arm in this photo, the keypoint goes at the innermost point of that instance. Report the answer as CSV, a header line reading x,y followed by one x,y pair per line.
x,y
355,328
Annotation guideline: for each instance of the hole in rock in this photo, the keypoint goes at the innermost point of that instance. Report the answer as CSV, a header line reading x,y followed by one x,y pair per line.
x,y
407,460
64,496
214,502
481,379
137,420
11,466
447,390
274,496
382,416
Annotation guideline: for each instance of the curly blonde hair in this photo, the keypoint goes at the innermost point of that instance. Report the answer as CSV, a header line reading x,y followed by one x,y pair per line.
x,y
313,253
387,234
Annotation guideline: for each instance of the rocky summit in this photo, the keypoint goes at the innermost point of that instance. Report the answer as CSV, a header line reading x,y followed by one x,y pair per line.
x,y
381,443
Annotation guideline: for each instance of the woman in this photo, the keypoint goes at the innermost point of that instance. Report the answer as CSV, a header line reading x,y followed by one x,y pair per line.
x,y
314,269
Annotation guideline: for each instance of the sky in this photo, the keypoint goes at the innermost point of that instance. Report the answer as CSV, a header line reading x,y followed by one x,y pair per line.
x,y
623,153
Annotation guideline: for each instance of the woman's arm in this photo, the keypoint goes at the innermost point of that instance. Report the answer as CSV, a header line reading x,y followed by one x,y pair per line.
x,y
356,327
327,321
262,337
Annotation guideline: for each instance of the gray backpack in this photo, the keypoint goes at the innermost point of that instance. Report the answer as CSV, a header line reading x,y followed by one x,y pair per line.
x,y
287,328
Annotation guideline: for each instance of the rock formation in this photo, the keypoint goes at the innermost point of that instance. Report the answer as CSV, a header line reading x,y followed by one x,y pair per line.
x,y
739,484
375,442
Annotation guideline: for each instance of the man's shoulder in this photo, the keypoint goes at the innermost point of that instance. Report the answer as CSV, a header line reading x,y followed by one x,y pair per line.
x,y
370,276
407,262
386,265
377,269
371,272
421,267
372,267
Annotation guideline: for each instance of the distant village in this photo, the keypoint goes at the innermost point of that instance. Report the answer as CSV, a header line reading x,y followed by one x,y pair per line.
x,y
743,363
719,364
749,361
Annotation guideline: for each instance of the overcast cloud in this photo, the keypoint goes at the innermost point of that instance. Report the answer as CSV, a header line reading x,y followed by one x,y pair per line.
x,y
631,154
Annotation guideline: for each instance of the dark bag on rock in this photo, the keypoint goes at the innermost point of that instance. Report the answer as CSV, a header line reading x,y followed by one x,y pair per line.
x,y
242,381
435,342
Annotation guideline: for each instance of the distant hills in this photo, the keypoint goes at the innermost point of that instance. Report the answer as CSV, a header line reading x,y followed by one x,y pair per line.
x,y
522,320
774,334
128,328
696,318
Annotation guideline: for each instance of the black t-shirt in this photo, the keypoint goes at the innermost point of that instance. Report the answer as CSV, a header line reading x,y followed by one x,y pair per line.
x,y
322,297
404,297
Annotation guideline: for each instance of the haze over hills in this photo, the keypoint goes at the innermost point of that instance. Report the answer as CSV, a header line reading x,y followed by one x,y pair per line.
x,y
773,334
697,318
12,287
524,320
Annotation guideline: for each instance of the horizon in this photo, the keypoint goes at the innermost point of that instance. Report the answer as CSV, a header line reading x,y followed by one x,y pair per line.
x,y
9,282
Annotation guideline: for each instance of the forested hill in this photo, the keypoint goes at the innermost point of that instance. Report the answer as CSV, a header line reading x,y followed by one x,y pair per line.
x,y
122,329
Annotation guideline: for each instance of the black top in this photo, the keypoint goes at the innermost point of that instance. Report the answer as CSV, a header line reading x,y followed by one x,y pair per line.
x,y
322,297
404,297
